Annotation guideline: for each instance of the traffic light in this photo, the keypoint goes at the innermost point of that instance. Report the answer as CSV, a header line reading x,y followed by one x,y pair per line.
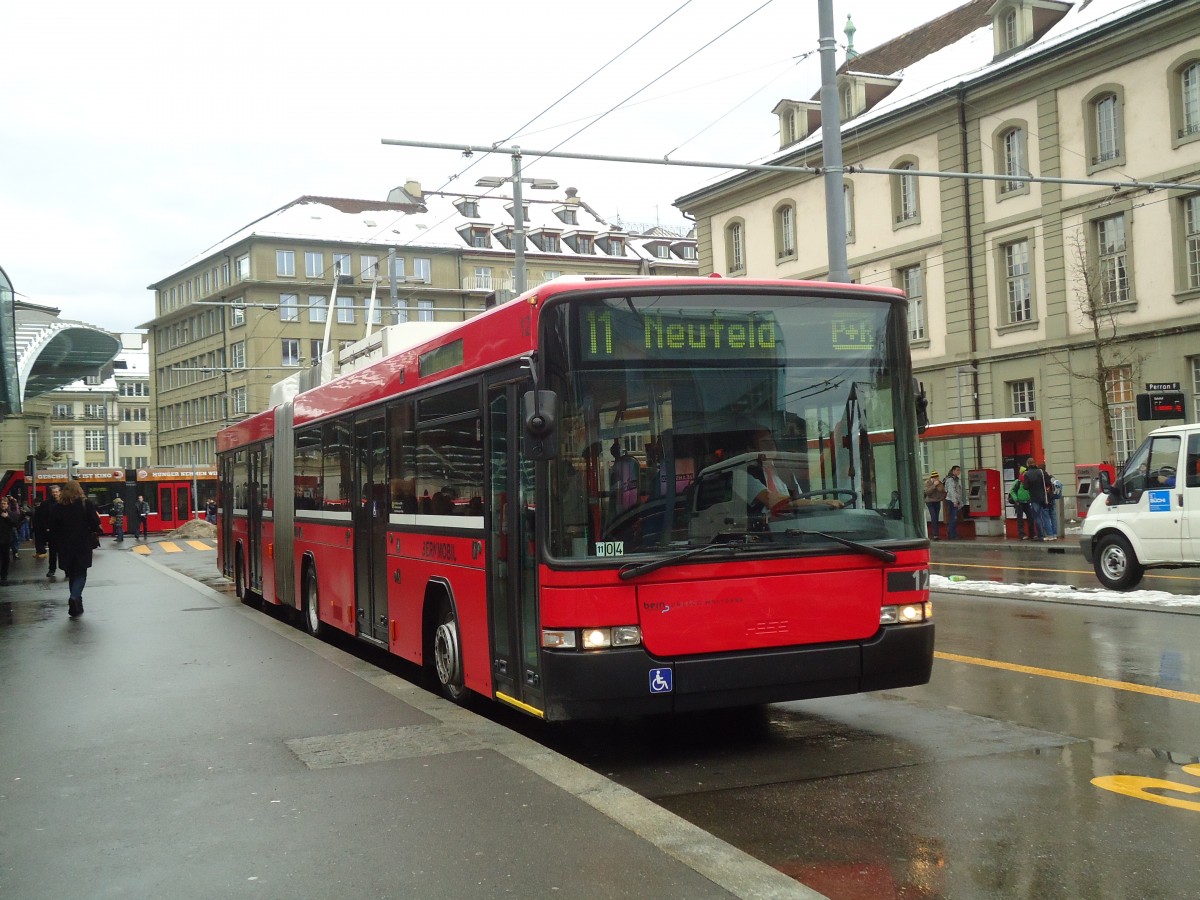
x,y
29,466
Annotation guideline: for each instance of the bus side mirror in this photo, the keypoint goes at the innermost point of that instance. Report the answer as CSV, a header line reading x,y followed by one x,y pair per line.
x,y
541,421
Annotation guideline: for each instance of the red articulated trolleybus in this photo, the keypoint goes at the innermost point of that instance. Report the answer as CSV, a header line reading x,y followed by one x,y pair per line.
x,y
175,494
607,497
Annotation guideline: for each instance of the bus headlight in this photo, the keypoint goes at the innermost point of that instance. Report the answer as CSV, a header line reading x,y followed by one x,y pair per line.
x,y
592,638
905,613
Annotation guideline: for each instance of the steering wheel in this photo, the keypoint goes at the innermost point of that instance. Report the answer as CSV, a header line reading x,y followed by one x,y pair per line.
x,y
786,507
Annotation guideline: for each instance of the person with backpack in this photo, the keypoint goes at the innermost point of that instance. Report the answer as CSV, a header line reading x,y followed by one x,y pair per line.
x,y
1055,488
1018,496
117,515
1039,499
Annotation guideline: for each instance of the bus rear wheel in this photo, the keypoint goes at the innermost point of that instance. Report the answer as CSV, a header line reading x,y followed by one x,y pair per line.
x,y
447,654
312,605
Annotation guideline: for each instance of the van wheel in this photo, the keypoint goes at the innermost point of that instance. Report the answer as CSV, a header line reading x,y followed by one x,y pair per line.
x,y
1116,564
447,654
312,605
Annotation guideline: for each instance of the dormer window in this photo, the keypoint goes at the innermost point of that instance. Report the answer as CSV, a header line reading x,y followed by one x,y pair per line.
x,y
476,235
1018,23
511,208
797,120
568,215
686,251
581,243
858,92
503,236
660,250
546,240
613,244
468,207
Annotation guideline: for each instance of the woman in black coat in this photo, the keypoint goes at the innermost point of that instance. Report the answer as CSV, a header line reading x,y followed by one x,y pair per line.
x,y
75,530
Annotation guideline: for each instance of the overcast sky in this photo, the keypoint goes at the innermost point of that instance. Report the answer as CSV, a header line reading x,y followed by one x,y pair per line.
x,y
137,134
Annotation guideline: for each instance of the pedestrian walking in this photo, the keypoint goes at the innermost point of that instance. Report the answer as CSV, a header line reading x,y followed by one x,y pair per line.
x,y
14,518
210,512
7,529
954,499
44,541
75,530
117,514
1039,493
141,517
935,493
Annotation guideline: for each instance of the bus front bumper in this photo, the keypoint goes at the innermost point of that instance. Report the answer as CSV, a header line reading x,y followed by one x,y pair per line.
x,y
631,682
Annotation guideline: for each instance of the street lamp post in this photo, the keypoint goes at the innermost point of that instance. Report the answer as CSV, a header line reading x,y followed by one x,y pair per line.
x,y
518,241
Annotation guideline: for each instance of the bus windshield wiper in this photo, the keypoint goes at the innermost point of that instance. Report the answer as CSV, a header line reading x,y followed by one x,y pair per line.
x,y
877,552
732,543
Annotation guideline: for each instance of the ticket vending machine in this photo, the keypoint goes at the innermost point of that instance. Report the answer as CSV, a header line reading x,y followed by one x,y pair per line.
x,y
983,493
1087,484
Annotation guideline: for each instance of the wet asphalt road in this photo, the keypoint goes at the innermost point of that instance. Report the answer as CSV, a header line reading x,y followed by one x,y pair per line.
x,y
1055,754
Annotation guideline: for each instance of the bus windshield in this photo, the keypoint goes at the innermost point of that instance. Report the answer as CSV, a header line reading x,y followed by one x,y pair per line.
x,y
779,419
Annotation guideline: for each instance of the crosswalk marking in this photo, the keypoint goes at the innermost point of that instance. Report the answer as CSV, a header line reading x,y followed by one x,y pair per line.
x,y
170,547
199,545
173,547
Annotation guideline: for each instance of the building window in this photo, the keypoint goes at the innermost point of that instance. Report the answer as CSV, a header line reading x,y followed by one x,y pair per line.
x,y
1185,100
1191,241
237,316
1008,32
317,308
133,414
912,282
688,251
1195,361
1112,258
583,244
399,311
316,346
314,264
370,267
285,263
237,355
93,439
735,241
483,282
345,310
785,232
243,267
550,242
1104,134
1017,282
1118,384
424,310
61,411
1022,399
238,401
289,308
421,269
906,200
63,441
341,265
290,351
1011,146
95,411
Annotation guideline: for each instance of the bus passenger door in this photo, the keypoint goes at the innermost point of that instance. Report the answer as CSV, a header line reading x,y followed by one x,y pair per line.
x,y
166,507
254,543
512,557
370,515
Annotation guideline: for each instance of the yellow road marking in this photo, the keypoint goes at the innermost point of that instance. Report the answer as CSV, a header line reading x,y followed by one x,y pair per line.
x,y
142,549
169,547
954,565
1070,676
199,545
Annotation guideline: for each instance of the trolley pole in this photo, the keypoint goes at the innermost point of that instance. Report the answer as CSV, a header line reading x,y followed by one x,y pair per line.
x,y
831,148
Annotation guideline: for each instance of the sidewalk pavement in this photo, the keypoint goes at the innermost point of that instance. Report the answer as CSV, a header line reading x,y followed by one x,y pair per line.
x,y
172,742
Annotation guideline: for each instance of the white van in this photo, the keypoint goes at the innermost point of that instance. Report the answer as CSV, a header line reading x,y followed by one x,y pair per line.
x,y
1150,517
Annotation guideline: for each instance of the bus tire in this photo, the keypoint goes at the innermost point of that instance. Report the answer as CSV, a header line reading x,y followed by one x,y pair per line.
x,y
311,611
446,653
1116,564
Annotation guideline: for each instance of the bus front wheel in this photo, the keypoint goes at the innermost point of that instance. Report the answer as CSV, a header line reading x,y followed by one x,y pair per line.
x,y
447,654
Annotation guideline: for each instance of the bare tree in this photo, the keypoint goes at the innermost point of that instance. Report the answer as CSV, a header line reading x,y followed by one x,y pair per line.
x,y
1096,309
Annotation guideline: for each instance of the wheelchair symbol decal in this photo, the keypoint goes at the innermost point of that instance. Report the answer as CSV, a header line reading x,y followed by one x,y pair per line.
x,y
660,681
